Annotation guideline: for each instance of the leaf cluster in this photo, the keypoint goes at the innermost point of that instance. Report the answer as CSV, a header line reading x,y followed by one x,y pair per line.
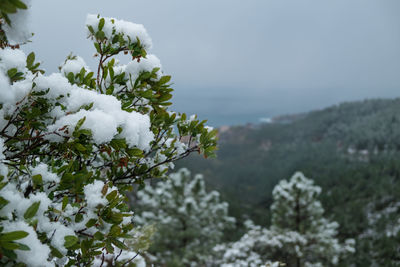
x,y
77,165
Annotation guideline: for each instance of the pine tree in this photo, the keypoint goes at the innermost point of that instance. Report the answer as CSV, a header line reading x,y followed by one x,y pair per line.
x,y
189,221
73,143
297,209
299,234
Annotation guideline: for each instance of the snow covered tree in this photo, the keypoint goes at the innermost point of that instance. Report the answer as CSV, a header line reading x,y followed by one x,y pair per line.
x,y
299,234
189,221
73,143
297,209
379,245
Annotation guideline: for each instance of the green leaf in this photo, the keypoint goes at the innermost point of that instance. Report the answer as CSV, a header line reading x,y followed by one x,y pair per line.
x,y
112,195
19,4
71,77
100,35
37,180
85,246
101,24
80,123
135,152
31,211
97,46
109,247
3,202
147,94
118,144
23,247
78,217
64,202
8,7
11,72
6,18
119,244
90,29
91,223
9,245
165,97
115,230
116,217
3,184
70,240
30,59
80,147
165,79
56,252
10,236
98,236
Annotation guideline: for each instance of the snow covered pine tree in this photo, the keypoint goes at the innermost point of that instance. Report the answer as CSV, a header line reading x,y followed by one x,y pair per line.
x,y
189,221
299,234
73,143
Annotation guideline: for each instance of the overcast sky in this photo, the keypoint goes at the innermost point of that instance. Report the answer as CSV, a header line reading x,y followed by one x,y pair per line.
x,y
236,61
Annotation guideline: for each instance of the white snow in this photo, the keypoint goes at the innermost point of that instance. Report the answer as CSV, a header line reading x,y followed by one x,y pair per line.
x,y
130,30
103,119
146,64
6,93
19,31
73,65
12,58
47,176
102,125
38,253
93,194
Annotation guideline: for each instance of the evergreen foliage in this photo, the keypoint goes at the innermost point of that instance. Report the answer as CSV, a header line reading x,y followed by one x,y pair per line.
x,y
341,146
299,234
73,143
189,221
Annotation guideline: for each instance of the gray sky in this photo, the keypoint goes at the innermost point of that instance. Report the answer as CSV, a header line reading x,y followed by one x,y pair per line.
x,y
235,61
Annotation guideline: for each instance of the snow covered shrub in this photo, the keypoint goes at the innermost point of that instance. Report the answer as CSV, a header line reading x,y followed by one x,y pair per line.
x,y
73,143
299,234
188,220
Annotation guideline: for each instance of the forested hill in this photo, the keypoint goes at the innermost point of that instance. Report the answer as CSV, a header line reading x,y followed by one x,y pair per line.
x,y
351,150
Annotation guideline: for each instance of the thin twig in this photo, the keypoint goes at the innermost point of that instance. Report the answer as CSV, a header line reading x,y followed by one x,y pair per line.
x,y
128,261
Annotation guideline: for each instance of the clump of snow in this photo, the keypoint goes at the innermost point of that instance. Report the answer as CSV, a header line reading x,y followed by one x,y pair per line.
x,y
102,125
56,83
74,65
107,103
102,119
94,196
47,176
136,130
134,68
38,253
19,32
112,26
12,58
9,59
6,93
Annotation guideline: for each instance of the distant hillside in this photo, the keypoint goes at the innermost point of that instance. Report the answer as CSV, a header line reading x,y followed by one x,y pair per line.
x,y
351,150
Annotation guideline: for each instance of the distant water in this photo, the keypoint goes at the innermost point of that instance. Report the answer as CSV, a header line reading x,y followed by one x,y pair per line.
x,y
217,120
238,108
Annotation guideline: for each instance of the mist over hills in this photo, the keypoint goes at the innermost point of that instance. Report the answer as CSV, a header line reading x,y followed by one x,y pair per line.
x,y
352,150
